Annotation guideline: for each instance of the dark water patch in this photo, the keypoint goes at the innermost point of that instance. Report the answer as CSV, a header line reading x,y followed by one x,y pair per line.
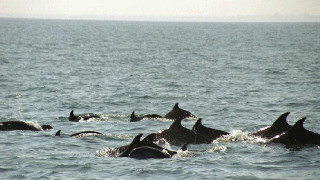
x,y
5,169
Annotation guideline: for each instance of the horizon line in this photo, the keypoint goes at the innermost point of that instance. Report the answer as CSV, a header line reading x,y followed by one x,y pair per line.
x,y
243,18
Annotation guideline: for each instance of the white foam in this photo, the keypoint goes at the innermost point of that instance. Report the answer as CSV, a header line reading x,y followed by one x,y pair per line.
x,y
107,152
183,154
217,149
239,135
86,134
34,124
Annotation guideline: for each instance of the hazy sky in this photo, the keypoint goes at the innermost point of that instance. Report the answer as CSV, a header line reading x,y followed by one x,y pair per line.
x,y
209,10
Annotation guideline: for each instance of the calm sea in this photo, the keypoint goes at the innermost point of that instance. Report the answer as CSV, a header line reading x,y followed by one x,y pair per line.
x,y
238,76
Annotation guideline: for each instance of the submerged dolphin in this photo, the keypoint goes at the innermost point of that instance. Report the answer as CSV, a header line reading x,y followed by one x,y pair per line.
x,y
80,134
176,134
22,125
134,118
177,113
209,133
279,126
297,135
72,117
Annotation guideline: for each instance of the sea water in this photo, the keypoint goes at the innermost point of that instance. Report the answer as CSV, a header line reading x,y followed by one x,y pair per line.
x,y
238,77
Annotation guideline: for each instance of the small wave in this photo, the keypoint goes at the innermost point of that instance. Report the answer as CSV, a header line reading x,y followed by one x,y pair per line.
x,y
194,118
156,119
123,136
239,135
275,72
166,119
117,137
86,135
90,120
217,149
113,117
102,117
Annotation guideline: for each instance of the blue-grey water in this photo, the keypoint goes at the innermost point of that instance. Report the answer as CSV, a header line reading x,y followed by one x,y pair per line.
x,y
238,76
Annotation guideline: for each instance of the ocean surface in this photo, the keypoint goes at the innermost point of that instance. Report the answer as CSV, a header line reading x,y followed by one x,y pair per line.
x,y
239,77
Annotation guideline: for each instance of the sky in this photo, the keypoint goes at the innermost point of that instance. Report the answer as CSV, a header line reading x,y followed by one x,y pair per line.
x,y
171,10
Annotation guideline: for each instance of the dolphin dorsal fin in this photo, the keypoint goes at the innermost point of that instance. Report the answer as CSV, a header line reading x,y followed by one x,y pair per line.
x,y
58,133
71,116
136,139
299,123
198,124
282,120
132,115
135,143
176,106
199,121
184,147
176,123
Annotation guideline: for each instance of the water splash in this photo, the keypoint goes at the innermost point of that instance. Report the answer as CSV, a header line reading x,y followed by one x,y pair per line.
x,y
162,142
239,135
105,117
34,124
86,135
217,149
107,152
90,120
157,119
183,154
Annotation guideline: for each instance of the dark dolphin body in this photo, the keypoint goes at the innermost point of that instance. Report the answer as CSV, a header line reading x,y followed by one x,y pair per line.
x,y
125,151
22,125
145,152
177,135
177,113
74,118
278,127
209,133
134,118
297,136
80,134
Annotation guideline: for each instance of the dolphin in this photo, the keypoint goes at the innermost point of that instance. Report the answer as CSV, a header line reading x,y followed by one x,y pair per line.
x,y
128,148
177,113
145,152
279,126
74,118
151,138
297,136
80,134
124,151
134,118
22,125
209,133
176,134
